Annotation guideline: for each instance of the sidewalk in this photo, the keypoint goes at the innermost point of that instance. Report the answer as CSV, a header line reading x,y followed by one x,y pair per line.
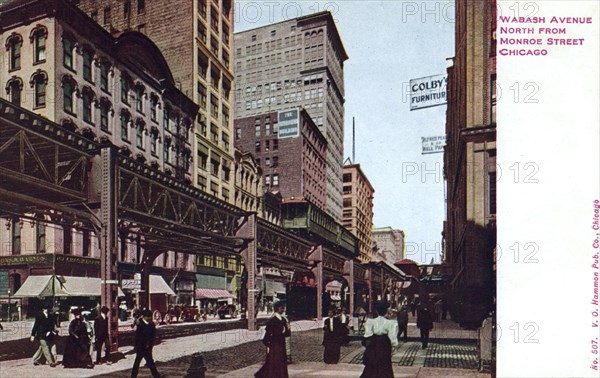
x,y
167,350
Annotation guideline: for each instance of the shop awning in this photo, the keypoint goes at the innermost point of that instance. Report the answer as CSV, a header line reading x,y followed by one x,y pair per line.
x,y
158,285
213,294
60,286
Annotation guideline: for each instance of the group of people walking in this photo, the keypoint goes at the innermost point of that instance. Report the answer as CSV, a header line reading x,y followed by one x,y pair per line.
x,y
81,333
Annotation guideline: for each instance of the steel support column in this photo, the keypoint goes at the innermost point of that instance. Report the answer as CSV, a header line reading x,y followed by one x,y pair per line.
x,y
316,257
248,231
349,275
108,256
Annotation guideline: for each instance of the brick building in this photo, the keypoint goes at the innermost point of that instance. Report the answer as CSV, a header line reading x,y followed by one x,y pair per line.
x,y
293,161
470,163
358,209
298,62
109,88
196,39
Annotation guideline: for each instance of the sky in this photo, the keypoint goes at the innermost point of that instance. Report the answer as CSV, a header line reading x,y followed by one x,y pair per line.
x,y
388,44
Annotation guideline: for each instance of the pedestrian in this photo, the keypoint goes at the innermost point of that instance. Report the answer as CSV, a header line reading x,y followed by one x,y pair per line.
x,y
424,323
413,306
345,320
402,318
77,348
44,330
144,342
277,329
101,335
332,337
381,335
87,316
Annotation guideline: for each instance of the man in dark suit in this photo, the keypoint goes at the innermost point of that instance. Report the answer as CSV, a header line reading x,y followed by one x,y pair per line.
x,y
424,323
101,333
144,342
44,330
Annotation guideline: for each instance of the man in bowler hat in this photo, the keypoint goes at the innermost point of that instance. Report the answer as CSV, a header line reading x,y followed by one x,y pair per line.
x,y
144,342
44,330
101,333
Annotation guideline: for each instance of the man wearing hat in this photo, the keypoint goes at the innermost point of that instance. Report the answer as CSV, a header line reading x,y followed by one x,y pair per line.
x,y
101,333
276,331
44,330
144,342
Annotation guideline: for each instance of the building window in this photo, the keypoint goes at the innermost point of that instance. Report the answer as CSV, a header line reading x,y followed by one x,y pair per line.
x,y
16,236
14,46
226,173
40,91
225,194
153,105
85,245
238,133
214,133
68,53
225,141
492,186
256,146
257,130
202,183
267,180
166,152
87,65
215,165
275,144
214,106
201,95
15,88
202,8
139,95
139,136
202,160
275,180
68,96
124,126
127,9
67,239
87,106
166,117
124,90
104,116
153,139
214,189
104,76
40,240
141,6
40,46
107,15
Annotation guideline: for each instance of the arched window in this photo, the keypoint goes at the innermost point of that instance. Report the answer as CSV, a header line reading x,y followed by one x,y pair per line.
x,y
104,71
125,85
68,46
139,137
14,87
88,96
38,37
13,46
153,106
38,82
87,64
125,116
69,86
139,97
104,109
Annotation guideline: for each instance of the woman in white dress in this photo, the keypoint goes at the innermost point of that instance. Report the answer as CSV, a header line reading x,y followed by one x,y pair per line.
x,y
381,336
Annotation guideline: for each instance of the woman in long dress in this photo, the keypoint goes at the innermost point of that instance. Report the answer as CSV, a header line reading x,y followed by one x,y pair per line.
x,y
380,337
276,331
332,335
77,348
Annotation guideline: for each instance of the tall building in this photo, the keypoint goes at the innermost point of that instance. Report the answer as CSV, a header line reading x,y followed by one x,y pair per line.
x,y
390,243
470,163
196,39
291,151
117,89
358,209
298,62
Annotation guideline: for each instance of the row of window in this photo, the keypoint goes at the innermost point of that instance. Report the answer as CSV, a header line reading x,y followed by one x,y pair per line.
x,y
38,81
14,45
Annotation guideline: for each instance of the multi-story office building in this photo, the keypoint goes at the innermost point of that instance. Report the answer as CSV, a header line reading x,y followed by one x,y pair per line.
x,y
196,39
61,65
291,151
299,62
358,209
470,162
389,243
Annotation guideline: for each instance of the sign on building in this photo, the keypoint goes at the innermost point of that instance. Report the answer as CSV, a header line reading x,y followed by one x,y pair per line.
x,y
428,91
288,123
433,145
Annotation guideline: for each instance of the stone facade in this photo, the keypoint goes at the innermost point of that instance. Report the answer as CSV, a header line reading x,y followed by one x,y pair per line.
x,y
470,162
294,63
389,243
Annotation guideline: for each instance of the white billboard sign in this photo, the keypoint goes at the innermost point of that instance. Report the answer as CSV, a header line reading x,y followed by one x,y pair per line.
x,y
288,124
428,91
433,145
